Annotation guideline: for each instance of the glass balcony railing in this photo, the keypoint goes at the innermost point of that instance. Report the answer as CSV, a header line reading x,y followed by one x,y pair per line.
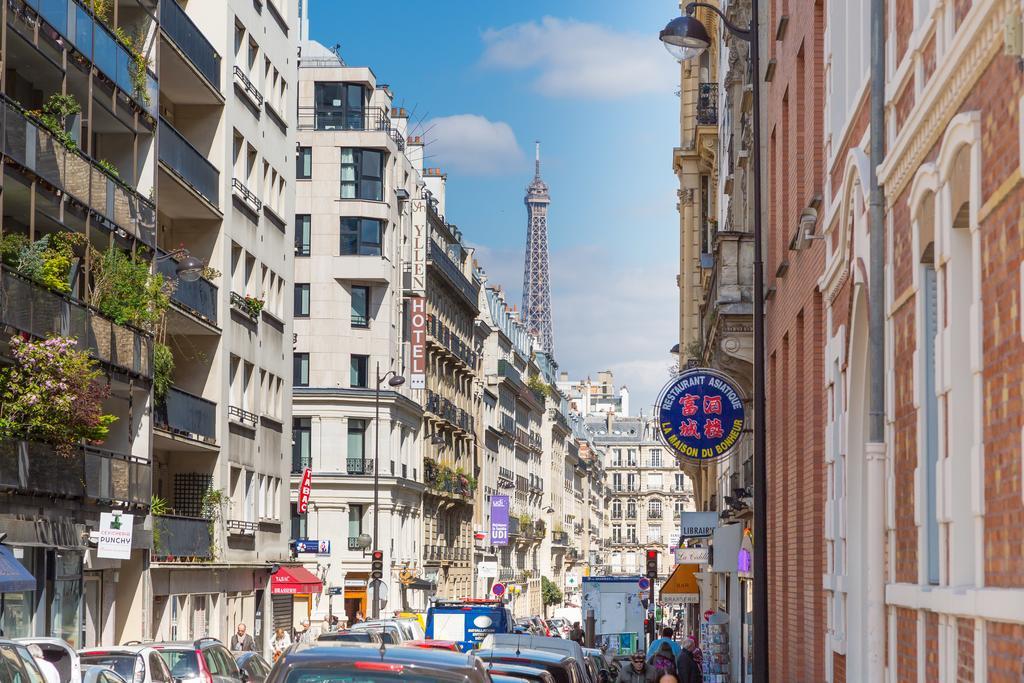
x,y
41,313
470,290
188,163
187,414
182,538
199,297
33,147
86,473
97,43
190,40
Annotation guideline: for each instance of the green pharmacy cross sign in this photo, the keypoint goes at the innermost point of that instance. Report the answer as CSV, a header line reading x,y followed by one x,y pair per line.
x,y
701,415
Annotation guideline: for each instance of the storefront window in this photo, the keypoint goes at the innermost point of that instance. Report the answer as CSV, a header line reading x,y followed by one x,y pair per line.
x,y
66,607
16,619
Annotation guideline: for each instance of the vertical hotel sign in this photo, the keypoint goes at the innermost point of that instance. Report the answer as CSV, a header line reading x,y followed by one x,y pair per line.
x,y
418,272
417,342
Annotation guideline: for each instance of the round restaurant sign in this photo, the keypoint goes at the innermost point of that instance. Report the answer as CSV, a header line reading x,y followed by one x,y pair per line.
x,y
700,415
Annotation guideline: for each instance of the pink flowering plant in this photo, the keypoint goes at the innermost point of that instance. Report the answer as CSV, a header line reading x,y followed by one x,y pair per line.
x,y
52,394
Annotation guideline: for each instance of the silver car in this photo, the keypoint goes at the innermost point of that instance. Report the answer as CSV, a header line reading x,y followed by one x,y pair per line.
x,y
134,663
203,661
101,674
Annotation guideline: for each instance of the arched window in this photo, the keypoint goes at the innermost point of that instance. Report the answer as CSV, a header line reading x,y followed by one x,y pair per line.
x,y
654,508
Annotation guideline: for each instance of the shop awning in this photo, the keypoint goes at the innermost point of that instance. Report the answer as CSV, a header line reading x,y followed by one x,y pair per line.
x,y
13,575
294,580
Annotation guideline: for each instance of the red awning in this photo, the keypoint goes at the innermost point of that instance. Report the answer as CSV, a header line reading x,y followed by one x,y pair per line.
x,y
291,580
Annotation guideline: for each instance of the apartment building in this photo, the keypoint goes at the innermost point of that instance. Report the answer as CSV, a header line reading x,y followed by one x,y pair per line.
x,y
594,397
136,173
353,228
647,492
225,190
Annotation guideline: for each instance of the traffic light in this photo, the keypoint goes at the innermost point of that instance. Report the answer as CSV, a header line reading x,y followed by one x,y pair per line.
x,y
652,564
377,564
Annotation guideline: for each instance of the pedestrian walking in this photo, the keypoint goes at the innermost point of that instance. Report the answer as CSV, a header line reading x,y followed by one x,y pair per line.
x,y
636,671
242,641
305,634
576,633
280,643
49,671
687,669
667,636
663,661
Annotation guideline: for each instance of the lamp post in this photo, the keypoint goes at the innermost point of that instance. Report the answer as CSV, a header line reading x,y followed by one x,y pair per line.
x,y
395,381
686,37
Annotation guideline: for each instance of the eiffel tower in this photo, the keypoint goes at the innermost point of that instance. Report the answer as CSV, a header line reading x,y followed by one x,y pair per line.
x,y
536,290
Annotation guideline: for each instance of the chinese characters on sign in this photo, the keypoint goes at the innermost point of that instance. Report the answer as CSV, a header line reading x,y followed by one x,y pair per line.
x,y
499,520
305,488
701,415
418,342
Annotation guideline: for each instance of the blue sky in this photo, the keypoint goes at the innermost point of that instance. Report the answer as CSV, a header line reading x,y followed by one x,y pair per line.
x,y
590,80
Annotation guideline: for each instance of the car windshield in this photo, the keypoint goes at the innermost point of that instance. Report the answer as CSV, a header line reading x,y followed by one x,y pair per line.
x,y
370,672
350,637
122,663
182,663
557,670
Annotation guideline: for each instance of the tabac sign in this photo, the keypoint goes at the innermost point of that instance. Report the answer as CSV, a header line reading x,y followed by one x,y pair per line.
x,y
700,415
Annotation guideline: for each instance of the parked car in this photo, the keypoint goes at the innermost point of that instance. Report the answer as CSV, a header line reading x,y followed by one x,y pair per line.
x,y
342,662
101,674
202,661
562,667
390,633
364,636
569,648
57,652
134,663
561,625
412,626
600,668
520,672
17,664
252,668
433,644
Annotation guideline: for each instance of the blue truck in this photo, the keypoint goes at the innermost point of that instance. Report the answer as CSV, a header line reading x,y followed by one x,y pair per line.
x,y
467,622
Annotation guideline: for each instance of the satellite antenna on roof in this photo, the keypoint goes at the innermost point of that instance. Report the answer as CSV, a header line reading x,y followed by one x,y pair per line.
x,y
336,49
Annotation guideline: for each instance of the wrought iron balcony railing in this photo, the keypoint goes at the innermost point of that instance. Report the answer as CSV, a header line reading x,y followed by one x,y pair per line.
x,y
707,104
358,466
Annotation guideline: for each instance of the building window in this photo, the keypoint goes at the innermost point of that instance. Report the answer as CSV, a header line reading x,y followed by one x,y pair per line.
x,y
630,509
616,533
632,457
654,481
361,236
356,438
654,533
617,457
301,369
680,481
616,509
617,481
631,533
654,509
633,483
301,434
358,377
301,299
360,306
680,507
298,523
362,174
302,234
304,163
340,106
655,457
355,520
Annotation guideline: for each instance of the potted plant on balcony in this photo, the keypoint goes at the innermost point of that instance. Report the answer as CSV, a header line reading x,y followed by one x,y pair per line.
x,y
254,305
48,261
125,290
52,394
53,116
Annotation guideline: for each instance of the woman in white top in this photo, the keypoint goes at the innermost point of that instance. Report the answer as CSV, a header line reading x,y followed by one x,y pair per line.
x,y
280,643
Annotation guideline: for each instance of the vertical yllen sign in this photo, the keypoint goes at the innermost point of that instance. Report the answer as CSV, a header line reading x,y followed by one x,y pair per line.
x,y
418,342
418,272
305,488
499,520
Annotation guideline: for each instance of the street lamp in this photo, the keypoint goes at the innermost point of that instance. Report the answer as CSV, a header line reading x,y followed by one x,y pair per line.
x,y
395,380
188,268
686,37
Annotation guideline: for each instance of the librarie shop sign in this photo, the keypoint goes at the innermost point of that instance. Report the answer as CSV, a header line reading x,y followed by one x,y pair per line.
x,y
701,415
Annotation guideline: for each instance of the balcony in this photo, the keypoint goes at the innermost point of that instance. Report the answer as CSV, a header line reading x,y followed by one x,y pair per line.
x,y
469,290
241,527
87,473
239,304
560,538
181,539
448,339
98,44
358,466
246,87
368,119
194,56
508,424
707,104
197,298
34,148
242,416
513,526
654,514
509,371
446,410
187,415
353,543
41,313
189,166
246,197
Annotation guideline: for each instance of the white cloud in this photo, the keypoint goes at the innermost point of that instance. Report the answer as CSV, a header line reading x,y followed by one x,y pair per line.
x,y
472,144
578,59
608,314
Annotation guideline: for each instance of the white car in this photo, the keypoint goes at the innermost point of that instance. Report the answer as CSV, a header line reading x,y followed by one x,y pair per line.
x,y
63,657
134,663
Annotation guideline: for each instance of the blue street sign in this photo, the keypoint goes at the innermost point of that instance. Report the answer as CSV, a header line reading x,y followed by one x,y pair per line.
x,y
700,415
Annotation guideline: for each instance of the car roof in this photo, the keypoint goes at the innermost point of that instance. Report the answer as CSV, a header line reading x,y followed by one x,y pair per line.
x,y
524,653
115,649
514,640
325,653
184,644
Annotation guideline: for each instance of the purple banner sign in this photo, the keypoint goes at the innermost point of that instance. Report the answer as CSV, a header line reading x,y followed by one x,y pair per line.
x,y
499,520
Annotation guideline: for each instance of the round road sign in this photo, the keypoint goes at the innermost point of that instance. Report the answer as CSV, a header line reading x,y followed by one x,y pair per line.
x,y
498,589
644,583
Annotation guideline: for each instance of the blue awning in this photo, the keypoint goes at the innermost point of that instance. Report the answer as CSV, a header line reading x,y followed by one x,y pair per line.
x,y
13,575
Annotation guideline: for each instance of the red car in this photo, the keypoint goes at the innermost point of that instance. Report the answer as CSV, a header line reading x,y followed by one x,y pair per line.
x,y
433,644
